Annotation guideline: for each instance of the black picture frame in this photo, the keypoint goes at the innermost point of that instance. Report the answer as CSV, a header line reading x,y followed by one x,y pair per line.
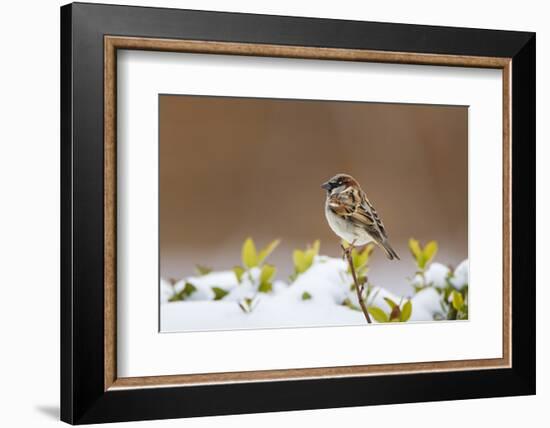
x,y
83,398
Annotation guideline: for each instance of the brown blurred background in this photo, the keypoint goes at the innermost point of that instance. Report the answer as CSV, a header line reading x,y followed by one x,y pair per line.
x,y
237,167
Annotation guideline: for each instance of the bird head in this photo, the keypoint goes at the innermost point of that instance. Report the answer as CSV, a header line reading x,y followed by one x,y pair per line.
x,y
339,181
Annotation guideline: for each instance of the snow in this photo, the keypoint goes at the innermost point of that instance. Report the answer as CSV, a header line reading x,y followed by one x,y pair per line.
x,y
437,274
324,280
460,277
425,304
166,290
269,313
327,282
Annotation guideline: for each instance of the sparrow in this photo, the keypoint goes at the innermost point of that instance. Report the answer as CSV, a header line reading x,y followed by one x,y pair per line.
x,y
351,215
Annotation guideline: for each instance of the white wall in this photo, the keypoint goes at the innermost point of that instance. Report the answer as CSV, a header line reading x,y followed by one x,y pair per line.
x,y
29,214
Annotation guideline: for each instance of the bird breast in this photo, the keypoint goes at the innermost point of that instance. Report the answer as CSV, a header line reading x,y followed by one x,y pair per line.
x,y
345,228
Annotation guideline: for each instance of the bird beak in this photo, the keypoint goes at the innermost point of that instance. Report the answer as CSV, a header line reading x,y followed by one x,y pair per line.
x,y
326,186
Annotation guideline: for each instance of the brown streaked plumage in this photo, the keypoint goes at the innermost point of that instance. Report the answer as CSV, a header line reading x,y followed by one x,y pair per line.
x,y
351,215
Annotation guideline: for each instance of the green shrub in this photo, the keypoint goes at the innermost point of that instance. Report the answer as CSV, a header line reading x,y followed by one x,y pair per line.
x,y
303,259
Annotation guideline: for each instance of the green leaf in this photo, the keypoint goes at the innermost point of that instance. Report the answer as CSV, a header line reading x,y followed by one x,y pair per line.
x,y
418,288
365,254
248,304
349,304
309,255
300,261
265,252
390,302
267,273
457,301
429,252
203,270
239,272
184,293
360,259
265,287
406,311
316,246
355,258
463,313
175,297
452,313
378,314
189,289
306,296
249,255
219,293
416,251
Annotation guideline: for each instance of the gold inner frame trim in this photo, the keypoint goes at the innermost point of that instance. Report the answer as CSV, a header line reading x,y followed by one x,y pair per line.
x,y
113,43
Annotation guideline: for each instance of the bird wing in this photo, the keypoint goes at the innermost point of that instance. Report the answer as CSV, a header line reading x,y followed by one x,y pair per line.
x,y
343,203
353,204
368,208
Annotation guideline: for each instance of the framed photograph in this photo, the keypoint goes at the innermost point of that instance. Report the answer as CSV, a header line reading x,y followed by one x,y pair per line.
x,y
265,213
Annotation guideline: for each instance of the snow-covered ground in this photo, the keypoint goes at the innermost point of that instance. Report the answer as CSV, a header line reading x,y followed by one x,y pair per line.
x,y
315,298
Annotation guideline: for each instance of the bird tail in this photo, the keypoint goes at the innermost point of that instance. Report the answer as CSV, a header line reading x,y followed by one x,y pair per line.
x,y
390,252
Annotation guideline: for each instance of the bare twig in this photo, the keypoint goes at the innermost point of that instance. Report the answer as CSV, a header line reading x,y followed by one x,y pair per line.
x,y
358,287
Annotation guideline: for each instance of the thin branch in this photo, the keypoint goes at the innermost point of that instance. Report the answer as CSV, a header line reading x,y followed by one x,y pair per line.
x,y
358,288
